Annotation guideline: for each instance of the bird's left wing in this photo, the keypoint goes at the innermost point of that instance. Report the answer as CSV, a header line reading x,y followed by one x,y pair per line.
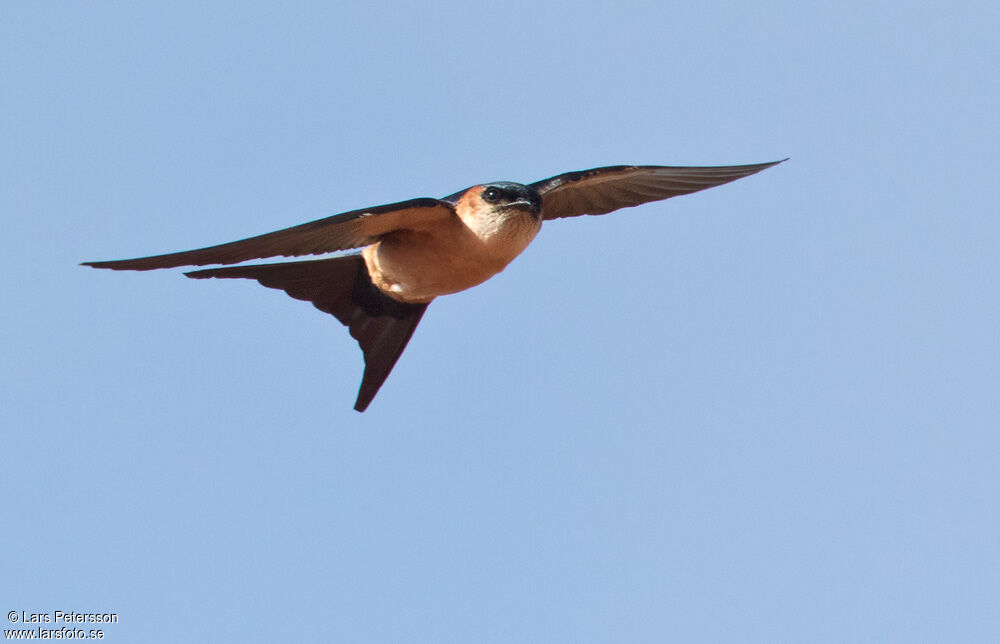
x,y
602,190
339,232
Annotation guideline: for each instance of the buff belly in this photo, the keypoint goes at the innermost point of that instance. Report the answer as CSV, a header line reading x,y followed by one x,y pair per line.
x,y
417,266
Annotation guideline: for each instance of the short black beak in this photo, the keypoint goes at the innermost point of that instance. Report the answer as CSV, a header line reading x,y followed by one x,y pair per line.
x,y
524,204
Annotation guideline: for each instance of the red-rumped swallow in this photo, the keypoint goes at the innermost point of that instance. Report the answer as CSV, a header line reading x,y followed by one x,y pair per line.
x,y
416,250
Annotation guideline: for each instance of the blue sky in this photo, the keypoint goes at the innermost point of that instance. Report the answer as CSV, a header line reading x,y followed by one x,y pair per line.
x,y
766,412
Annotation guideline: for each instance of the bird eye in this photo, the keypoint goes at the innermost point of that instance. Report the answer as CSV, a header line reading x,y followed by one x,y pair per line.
x,y
491,195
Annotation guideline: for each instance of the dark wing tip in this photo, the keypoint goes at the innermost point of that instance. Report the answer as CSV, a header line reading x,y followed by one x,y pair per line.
x,y
754,168
138,264
108,265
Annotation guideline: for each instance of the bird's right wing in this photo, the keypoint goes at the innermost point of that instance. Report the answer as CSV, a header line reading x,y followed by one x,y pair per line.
x,y
339,232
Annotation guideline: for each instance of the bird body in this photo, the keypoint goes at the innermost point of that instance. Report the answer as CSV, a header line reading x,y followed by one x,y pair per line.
x,y
458,253
416,250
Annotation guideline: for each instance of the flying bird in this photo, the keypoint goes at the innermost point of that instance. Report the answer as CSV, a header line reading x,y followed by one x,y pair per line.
x,y
413,251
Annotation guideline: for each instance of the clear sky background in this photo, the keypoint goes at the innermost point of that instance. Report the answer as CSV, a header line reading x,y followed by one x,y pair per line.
x,y
766,412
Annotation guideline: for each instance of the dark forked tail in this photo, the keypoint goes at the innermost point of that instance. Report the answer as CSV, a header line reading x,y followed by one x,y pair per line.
x,y
342,287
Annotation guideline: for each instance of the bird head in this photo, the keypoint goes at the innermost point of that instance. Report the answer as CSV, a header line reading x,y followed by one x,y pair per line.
x,y
506,196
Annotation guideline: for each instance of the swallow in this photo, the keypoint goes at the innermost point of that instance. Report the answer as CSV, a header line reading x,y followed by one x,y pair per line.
x,y
414,251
